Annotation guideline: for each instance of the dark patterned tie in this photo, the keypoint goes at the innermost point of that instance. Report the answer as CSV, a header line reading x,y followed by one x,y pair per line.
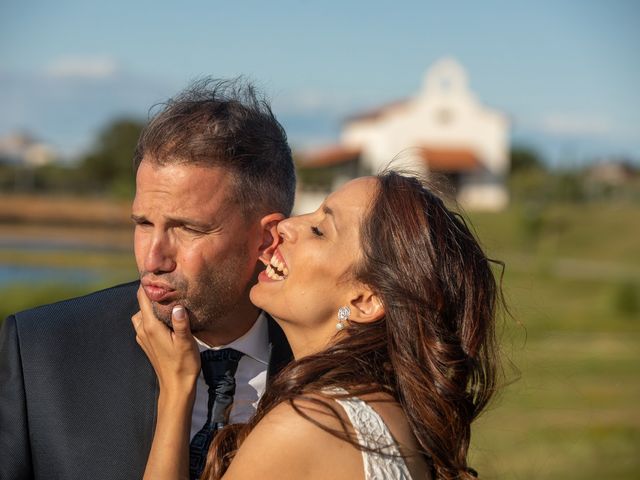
x,y
218,369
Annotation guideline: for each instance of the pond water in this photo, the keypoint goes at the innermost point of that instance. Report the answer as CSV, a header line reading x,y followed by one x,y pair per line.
x,y
12,274
33,274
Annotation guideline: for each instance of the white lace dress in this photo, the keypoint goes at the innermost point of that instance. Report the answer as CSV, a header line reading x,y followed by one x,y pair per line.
x,y
373,432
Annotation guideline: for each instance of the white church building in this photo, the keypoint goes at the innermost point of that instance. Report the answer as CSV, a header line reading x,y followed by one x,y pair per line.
x,y
444,128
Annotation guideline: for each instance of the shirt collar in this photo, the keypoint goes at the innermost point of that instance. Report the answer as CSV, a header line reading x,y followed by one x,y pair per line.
x,y
254,343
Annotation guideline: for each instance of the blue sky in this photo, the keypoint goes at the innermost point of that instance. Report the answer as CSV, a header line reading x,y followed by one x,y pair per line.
x,y
566,73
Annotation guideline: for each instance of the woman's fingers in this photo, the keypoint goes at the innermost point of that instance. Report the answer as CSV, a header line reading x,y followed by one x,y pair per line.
x,y
173,353
184,342
136,320
180,322
145,305
138,326
151,324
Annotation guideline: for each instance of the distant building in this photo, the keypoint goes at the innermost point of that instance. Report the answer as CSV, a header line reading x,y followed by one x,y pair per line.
x,y
22,149
444,129
613,172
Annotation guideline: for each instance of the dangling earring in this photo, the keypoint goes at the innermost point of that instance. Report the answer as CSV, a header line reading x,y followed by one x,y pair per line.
x,y
343,315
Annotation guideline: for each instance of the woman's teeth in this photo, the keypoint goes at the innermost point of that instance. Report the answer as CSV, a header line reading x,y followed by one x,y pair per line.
x,y
276,270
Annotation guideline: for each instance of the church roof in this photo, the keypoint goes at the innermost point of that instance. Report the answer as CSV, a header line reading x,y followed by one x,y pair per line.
x,y
450,160
437,159
328,156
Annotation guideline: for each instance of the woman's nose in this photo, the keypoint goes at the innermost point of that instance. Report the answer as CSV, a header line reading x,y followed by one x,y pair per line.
x,y
287,229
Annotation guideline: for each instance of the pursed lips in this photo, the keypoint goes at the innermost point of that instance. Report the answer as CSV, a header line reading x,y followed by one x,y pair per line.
x,y
157,291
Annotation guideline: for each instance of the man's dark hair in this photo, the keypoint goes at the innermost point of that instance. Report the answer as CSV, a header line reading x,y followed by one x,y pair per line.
x,y
227,124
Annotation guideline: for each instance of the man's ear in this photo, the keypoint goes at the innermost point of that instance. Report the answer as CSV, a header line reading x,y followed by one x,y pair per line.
x,y
270,237
366,306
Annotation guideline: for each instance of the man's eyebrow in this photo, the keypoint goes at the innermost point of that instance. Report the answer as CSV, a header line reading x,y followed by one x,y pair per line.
x,y
192,222
189,221
177,221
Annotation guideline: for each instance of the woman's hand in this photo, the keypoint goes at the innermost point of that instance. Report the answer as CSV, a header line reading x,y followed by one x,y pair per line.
x,y
173,354
175,358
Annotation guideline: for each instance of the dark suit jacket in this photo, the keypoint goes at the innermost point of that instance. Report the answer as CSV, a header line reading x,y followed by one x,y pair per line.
x,y
77,394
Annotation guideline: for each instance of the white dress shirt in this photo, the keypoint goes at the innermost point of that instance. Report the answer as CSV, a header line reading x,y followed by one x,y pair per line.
x,y
251,376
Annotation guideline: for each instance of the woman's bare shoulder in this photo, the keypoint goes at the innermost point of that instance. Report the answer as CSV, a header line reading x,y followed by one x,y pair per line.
x,y
285,444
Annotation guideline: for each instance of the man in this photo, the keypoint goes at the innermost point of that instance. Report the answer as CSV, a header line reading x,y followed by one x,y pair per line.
x,y
77,394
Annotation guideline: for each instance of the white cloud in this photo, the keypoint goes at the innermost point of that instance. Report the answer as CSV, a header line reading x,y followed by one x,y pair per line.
x,y
82,67
575,124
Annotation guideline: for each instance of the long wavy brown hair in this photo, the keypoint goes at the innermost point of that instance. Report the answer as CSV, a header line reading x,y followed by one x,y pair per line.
x,y
435,349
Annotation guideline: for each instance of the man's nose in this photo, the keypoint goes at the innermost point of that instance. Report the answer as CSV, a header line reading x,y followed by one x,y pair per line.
x,y
161,255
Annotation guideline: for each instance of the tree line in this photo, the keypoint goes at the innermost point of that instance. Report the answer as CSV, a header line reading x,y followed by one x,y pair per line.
x,y
107,170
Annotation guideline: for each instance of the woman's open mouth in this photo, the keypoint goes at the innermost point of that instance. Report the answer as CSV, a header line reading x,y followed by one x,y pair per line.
x,y
277,269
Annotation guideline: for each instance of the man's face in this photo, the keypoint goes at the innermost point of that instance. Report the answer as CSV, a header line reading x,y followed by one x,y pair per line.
x,y
192,244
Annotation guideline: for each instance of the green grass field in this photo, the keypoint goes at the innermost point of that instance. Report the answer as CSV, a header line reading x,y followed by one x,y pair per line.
x,y
573,285
572,345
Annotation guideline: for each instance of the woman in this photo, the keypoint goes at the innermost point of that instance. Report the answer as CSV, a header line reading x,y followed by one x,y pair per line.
x,y
388,303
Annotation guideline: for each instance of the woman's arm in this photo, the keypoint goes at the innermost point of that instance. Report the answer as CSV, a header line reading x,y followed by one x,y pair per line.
x,y
169,455
176,361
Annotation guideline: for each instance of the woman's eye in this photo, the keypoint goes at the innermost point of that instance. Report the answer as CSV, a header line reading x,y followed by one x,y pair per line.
x,y
316,231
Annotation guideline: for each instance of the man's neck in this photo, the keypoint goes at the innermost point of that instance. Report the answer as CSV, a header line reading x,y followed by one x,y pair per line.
x,y
231,327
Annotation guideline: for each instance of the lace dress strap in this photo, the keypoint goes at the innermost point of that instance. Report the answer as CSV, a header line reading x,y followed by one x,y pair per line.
x,y
373,432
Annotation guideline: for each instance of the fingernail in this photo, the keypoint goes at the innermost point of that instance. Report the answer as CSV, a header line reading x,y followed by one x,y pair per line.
x,y
179,313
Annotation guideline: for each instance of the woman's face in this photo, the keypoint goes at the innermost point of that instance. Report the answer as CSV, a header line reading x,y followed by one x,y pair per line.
x,y
306,282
